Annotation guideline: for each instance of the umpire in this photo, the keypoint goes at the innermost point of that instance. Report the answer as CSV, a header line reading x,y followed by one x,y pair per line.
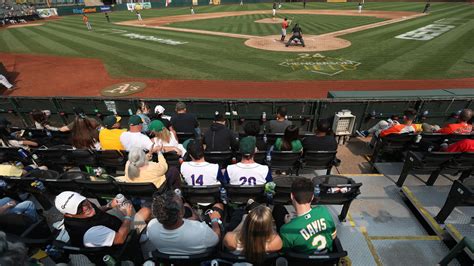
x,y
297,34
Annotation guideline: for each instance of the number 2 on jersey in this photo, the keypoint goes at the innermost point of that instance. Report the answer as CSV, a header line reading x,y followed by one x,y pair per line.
x,y
198,181
319,242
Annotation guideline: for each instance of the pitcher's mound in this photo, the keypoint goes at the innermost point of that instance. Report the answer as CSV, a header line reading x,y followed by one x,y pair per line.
x,y
313,43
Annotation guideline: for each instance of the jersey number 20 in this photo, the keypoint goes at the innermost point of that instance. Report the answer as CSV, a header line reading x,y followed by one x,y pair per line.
x,y
251,181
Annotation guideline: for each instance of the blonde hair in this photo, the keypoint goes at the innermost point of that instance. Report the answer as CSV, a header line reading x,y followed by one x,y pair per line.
x,y
136,159
256,231
164,135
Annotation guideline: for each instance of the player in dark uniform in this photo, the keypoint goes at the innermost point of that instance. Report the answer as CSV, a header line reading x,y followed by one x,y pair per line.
x,y
297,34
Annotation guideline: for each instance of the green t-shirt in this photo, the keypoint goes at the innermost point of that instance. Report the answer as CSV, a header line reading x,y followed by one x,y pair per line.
x,y
313,231
295,145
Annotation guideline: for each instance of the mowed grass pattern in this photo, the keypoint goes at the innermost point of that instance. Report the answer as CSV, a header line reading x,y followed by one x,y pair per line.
x,y
212,57
311,24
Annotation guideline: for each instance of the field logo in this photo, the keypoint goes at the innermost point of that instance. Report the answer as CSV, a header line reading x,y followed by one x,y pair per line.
x,y
123,89
433,30
318,63
135,36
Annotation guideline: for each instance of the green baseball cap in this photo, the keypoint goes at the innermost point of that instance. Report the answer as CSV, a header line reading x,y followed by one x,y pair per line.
x,y
156,125
135,120
247,145
109,121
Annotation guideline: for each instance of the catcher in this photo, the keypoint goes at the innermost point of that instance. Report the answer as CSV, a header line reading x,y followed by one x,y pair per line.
x,y
297,34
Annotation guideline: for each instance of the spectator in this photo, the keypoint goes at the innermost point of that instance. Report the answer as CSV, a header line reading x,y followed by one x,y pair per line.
x,y
7,205
407,126
40,118
281,123
176,230
465,145
381,125
323,140
79,112
247,172
185,122
133,138
139,169
7,139
312,230
290,141
165,139
4,81
198,172
462,127
253,129
84,134
143,111
160,115
255,236
91,226
109,135
218,137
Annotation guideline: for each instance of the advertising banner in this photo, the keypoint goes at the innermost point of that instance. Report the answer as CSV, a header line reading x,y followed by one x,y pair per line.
x,y
138,6
47,12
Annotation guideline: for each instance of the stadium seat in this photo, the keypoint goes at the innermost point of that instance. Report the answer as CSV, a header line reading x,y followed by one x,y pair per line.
x,y
283,189
271,138
43,174
259,157
82,157
201,194
139,190
54,157
183,136
427,162
318,160
99,190
222,158
241,194
112,160
393,144
65,182
20,228
178,259
230,258
130,250
286,161
461,194
330,258
172,158
332,192
10,154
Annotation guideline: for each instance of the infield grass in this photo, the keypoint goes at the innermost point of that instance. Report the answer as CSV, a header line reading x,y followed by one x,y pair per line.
x,y
380,54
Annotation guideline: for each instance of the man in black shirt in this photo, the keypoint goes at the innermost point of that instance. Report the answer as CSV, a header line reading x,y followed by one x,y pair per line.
x,y
323,140
183,121
297,34
218,137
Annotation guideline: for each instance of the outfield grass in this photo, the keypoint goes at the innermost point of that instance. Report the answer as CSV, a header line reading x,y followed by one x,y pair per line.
x,y
212,57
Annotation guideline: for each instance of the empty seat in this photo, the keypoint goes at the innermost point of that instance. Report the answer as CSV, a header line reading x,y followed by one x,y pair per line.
x,y
100,190
112,160
318,160
201,194
222,158
392,144
241,194
286,161
461,194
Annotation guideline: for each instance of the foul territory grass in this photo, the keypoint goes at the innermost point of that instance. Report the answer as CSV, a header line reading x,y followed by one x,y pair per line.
x,y
381,56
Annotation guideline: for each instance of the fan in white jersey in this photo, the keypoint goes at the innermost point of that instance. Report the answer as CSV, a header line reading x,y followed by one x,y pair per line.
x,y
248,172
199,172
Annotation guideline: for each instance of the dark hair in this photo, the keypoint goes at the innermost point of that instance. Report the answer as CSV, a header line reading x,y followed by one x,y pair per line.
x,y
251,129
195,149
302,190
281,111
291,134
39,116
166,208
5,135
323,125
465,115
219,117
84,133
410,113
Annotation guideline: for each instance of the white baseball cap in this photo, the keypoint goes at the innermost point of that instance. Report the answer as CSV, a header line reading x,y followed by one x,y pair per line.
x,y
68,202
159,109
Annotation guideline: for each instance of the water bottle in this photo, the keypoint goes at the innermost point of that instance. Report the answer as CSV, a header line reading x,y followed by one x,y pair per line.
x,y
177,191
223,195
264,116
317,191
418,138
109,260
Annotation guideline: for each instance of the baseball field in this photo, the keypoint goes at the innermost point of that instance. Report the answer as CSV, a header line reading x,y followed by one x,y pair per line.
x,y
387,41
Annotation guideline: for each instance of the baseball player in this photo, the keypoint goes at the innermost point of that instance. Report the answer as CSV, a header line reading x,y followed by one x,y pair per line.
x,y
107,16
192,10
284,26
297,34
274,9
304,3
359,7
427,7
138,15
85,19
241,2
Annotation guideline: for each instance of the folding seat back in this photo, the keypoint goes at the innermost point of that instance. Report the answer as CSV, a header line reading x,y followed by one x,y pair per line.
x,y
201,194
